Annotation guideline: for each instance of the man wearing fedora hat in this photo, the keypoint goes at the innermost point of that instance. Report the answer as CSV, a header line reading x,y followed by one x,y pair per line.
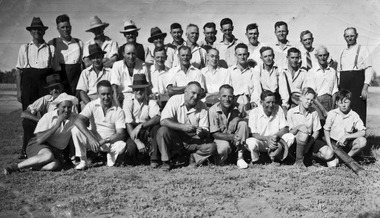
x,y
142,118
292,79
123,72
270,131
37,109
304,124
68,54
157,37
109,46
107,130
53,132
34,63
130,33
92,75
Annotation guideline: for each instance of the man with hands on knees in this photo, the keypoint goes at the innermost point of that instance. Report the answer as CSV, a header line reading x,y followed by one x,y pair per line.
x,y
106,131
269,129
228,127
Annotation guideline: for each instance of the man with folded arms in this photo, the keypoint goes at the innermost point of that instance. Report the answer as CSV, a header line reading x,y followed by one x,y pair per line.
x,y
107,128
185,125
53,132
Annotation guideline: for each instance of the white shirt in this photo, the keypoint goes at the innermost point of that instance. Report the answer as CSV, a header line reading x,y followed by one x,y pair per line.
x,y
254,53
108,46
268,79
214,78
139,113
88,79
296,83
347,61
280,54
180,78
39,57
263,125
155,75
67,52
227,51
322,81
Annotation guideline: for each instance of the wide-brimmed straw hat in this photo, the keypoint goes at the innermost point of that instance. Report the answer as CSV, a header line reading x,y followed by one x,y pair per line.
x,y
53,80
129,26
36,24
155,32
95,22
139,82
283,143
65,97
94,49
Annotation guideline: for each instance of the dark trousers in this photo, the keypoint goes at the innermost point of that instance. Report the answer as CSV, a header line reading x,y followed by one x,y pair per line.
x,y
70,75
28,126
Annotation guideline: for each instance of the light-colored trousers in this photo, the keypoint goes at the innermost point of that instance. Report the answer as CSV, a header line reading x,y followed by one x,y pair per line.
x,y
255,146
81,145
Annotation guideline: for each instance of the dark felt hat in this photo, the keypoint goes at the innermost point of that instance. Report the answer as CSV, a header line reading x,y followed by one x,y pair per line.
x,y
94,49
36,24
139,82
53,80
154,32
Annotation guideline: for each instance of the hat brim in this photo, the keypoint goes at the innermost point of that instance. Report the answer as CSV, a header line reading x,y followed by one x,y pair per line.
x,y
139,86
130,30
283,143
98,25
51,85
99,52
150,39
29,28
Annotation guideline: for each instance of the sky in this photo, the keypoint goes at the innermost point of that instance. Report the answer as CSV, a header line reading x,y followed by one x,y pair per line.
x,y
326,19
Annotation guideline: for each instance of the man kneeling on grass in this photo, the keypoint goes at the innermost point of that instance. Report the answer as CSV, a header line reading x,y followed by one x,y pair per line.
x,y
53,131
185,125
343,128
268,126
107,123
228,127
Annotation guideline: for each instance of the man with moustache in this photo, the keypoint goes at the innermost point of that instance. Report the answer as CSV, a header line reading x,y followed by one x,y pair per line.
x,y
185,125
228,127
282,45
68,54
226,47
107,132
209,30
292,79
92,75
184,73
107,45
130,33
53,132
355,65
123,72
157,37
254,46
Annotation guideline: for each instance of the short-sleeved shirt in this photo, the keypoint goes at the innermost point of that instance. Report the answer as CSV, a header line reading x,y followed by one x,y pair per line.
x,y
42,105
105,124
67,52
61,137
245,82
263,125
89,78
180,78
227,51
38,57
268,79
310,119
120,75
218,120
340,124
254,52
155,74
296,83
136,112
176,110
323,81
108,46
214,78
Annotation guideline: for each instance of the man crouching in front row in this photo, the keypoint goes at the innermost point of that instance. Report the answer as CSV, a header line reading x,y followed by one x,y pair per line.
x,y
184,125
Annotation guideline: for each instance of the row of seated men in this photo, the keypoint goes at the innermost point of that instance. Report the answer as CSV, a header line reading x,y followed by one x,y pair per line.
x,y
187,124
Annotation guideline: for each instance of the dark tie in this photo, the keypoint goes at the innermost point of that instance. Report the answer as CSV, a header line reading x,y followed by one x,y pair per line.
x,y
308,61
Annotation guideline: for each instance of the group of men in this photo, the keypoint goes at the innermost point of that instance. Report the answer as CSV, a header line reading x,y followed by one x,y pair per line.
x,y
206,99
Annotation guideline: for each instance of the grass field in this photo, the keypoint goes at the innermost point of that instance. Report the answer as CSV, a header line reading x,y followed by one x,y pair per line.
x,y
210,191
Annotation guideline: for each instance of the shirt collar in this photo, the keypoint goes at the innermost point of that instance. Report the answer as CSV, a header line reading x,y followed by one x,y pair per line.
x,y
234,67
98,104
262,114
219,108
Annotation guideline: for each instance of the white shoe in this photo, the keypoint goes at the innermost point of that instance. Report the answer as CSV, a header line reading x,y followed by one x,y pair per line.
x,y
82,165
242,164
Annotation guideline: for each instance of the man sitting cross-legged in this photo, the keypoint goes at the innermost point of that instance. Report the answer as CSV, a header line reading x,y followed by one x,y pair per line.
x,y
185,125
142,118
107,127
53,131
227,127
268,125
